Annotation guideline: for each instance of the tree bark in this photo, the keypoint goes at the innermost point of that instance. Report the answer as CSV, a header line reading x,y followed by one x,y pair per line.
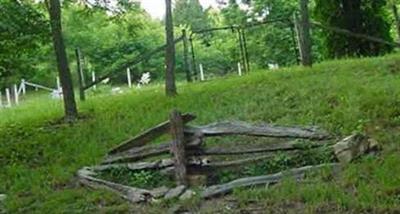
x,y
170,86
305,37
70,109
188,64
79,70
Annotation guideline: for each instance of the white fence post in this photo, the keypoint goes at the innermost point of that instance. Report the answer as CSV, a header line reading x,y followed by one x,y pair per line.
x,y
23,86
16,96
1,100
128,74
94,79
201,72
8,97
58,83
239,69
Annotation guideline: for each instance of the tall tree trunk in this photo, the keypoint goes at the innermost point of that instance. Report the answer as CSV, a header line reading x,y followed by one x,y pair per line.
x,y
353,22
305,36
70,109
170,86
397,19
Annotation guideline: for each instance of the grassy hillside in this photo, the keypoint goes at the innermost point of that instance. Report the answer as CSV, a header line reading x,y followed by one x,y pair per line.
x,y
39,158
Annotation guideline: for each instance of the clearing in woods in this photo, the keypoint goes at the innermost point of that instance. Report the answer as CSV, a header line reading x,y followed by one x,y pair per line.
x,y
39,158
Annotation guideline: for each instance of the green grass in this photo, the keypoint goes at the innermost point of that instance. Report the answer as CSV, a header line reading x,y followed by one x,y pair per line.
x,y
39,159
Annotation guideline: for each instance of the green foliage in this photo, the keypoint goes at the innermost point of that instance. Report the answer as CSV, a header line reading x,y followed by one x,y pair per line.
x,y
22,31
108,42
368,17
271,43
190,13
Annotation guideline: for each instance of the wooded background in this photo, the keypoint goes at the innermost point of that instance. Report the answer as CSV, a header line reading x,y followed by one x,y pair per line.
x,y
108,39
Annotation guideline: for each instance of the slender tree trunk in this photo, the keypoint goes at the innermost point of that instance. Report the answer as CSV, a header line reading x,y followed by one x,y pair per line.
x,y
170,86
70,109
397,19
187,62
305,37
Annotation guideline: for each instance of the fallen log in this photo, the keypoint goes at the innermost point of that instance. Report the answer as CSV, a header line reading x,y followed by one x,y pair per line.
x,y
263,130
148,135
297,173
134,195
265,149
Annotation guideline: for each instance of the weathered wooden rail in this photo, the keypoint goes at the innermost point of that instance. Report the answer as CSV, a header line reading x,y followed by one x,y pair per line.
x,y
188,155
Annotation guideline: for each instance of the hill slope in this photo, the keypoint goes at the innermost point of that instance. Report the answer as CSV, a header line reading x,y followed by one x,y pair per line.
x,y
39,159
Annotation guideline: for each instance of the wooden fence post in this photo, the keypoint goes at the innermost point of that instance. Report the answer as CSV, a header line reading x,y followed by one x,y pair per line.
x,y
80,74
178,147
194,67
186,58
246,51
303,24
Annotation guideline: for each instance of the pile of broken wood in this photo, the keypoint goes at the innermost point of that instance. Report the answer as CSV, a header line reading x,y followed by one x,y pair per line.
x,y
187,149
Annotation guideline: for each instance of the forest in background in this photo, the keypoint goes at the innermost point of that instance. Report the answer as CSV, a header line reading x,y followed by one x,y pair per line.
x,y
109,38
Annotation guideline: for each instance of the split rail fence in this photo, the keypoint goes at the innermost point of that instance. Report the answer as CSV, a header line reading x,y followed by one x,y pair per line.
x,y
187,151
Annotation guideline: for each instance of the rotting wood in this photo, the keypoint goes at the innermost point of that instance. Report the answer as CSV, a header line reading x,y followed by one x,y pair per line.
x,y
262,130
264,149
353,147
178,147
207,166
160,164
297,173
140,153
131,194
148,135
